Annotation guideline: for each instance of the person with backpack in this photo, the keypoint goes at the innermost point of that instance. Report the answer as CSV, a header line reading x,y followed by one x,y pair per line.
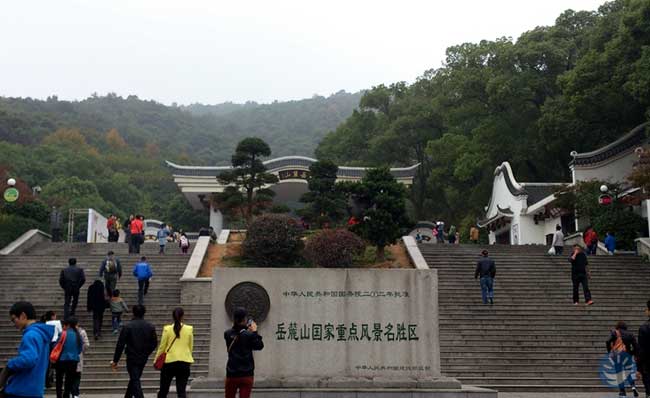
x,y
580,275
96,304
66,364
241,340
184,243
25,373
111,271
162,235
142,272
71,280
643,357
621,343
177,342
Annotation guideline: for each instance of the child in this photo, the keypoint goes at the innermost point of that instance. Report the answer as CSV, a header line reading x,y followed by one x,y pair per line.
x,y
184,243
118,306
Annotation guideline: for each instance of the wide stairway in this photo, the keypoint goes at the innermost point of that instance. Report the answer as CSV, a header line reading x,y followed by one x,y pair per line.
x,y
533,338
34,277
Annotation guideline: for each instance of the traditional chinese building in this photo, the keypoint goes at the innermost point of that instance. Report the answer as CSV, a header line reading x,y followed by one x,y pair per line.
x,y
522,213
198,183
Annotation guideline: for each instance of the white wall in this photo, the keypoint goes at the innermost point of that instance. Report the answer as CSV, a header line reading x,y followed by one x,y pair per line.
x,y
97,231
615,170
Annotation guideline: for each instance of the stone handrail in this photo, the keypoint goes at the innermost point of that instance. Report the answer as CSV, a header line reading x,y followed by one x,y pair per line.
x,y
414,252
25,241
643,246
196,289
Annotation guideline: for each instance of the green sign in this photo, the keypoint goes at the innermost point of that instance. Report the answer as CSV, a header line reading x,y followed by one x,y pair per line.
x,y
11,195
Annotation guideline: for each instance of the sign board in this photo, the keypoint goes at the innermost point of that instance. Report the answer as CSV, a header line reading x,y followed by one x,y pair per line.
x,y
293,174
11,195
605,200
321,324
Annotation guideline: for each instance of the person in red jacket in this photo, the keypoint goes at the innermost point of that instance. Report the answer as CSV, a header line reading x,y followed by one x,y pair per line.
x,y
137,227
591,240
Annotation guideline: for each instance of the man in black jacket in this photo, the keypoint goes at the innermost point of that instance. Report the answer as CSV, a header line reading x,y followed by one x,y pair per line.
x,y
487,270
97,305
241,340
644,351
71,280
580,274
139,337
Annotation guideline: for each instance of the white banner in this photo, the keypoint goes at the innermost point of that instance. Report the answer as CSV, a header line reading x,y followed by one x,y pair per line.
x,y
97,231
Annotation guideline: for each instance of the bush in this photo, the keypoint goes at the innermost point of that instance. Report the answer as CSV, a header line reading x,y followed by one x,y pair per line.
x,y
334,248
273,240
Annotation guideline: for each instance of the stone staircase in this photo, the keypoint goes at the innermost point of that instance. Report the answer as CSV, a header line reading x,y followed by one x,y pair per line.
x,y
533,338
34,277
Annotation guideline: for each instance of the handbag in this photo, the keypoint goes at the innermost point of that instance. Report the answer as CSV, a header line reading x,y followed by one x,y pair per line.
x,y
58,348
160,361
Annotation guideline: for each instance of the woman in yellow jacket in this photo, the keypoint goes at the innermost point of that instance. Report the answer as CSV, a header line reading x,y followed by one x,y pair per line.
x,y
178,341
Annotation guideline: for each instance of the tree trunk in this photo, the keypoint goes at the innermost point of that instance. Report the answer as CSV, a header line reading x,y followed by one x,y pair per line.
x,y
381,254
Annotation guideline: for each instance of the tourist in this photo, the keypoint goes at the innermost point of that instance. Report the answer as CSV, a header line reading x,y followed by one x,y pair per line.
x,y
30,365
213,235
139,338
178,342
473,234
241,340
591,240
610,243
111,226
644,351
434,232
142,272
580,274
451,236
96,303
66,366
111,271
137,229
487,270
441,232
80,365
118,306
71,280
162,235
621,341
127,233
56,224
558,240
457,238
49,318
184,243
418,238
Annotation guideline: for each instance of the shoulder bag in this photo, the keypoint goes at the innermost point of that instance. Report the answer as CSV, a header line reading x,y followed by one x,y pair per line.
x,y
160,361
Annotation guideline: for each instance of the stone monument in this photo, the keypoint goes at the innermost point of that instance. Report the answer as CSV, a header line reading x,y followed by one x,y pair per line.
x,y
334,331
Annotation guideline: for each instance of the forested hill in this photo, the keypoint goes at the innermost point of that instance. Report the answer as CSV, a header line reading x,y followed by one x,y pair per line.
x,y
576,85
108,152
205,134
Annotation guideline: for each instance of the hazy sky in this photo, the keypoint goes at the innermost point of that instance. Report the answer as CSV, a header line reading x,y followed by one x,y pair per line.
x,y
212,51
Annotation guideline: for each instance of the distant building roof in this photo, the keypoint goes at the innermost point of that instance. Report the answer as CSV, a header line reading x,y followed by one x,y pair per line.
x,y
636,137
287,162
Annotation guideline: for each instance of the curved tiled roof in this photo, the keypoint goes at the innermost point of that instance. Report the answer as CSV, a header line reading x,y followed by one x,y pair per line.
x,y
286,162
634,138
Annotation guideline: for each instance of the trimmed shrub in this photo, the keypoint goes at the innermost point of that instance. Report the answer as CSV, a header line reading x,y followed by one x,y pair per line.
x,y
273,240
334,248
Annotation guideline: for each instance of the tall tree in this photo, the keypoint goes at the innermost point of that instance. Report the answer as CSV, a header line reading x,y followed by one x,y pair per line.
x,y
325,203
247,179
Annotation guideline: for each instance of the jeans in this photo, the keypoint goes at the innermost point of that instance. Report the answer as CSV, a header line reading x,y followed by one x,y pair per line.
x,y
110,281
67,370
487,288
243,384
577,280
136,241
162,249
644,369
71,299
134,389
181,371
98,319
591,249
116,320
143,288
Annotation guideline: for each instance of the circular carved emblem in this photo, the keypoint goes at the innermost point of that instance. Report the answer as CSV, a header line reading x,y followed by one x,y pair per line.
x,y
250,296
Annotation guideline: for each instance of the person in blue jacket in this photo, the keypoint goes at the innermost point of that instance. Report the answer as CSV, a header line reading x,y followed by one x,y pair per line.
x,y
142,271
66,366
610,243
27,370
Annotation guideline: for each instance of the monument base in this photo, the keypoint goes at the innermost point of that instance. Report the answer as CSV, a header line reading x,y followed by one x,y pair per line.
x,y
443,387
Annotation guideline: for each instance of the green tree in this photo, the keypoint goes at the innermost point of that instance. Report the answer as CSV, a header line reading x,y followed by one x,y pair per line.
x,y
383,218
247,179
325,202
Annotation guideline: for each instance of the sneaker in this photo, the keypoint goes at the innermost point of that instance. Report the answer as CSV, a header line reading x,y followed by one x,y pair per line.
x,y
635,392
590,302
491,301
576,303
